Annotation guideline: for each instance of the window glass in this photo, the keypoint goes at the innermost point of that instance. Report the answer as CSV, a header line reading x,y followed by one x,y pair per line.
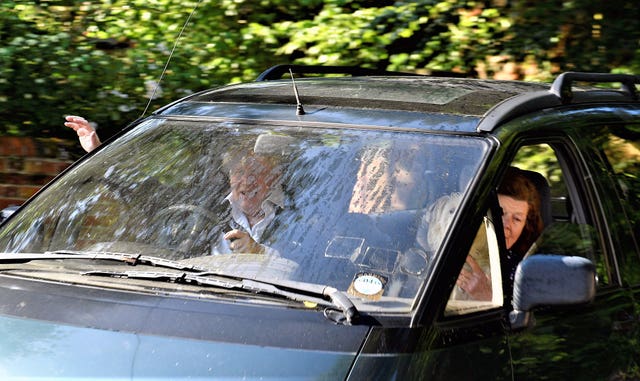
x,y
619,148
340,208
568,227
622,149
564,227
483,259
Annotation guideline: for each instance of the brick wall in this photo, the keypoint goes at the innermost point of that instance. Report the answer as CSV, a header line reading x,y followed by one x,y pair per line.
x,y
26,164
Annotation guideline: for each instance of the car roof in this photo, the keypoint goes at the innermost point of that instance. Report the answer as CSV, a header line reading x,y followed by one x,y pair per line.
x,y
421,94
370,95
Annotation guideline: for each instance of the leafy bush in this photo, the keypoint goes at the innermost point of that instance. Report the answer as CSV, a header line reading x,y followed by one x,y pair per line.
x,y
103,59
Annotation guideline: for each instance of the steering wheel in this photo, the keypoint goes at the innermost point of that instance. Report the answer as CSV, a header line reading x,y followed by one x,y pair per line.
x,y
182,226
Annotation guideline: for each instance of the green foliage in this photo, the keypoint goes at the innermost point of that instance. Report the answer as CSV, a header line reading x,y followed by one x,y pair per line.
x,y
103,59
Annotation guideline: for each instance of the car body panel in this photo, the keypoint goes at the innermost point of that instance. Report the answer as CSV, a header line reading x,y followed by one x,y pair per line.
x,y
132,335
594,341
70,352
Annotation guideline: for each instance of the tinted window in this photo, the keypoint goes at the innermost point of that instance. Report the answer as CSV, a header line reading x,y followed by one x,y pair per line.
x,y
618,170
343,208
622,149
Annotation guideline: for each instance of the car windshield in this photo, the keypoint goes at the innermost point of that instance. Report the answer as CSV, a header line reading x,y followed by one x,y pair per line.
x,y
348,208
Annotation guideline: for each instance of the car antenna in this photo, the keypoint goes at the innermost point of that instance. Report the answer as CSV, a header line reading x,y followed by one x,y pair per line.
x,y
166,65
299,108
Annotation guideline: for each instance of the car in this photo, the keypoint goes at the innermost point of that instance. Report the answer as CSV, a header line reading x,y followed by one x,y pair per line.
x,y
372,190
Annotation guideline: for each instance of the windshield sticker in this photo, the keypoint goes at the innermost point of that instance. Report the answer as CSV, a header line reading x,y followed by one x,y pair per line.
x,y
368,285
344,247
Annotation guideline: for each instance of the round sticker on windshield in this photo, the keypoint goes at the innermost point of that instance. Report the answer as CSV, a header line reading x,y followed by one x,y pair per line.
x,y
368,285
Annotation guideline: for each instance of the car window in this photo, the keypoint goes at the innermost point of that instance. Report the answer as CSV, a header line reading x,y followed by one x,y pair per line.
x,y
569,227
344,208
617,149
484,253
621,147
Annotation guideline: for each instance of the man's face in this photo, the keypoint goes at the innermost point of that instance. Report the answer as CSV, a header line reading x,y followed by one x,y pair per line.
x,y
251,181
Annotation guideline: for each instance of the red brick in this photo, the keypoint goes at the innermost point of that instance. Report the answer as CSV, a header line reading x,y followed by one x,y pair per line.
x,y
44,166
17,146
7,201
26,164
23,179
18,191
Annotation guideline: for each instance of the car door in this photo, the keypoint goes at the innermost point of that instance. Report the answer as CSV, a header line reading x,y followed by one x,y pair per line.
x,y
613,150
465,342
584,342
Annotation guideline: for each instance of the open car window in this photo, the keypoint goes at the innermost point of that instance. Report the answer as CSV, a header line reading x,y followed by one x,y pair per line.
x,y
569,224
346,207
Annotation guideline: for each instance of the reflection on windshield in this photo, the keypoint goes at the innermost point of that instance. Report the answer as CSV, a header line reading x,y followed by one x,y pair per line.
x,y
344,208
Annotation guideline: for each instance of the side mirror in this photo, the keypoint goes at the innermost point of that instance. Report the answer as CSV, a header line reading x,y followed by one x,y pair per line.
x,y
550,280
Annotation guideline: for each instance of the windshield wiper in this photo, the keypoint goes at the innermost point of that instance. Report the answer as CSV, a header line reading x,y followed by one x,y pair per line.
x,y
130,259
326,296
333,299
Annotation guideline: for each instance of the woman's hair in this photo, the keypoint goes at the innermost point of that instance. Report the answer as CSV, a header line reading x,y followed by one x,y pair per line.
x,y
518,186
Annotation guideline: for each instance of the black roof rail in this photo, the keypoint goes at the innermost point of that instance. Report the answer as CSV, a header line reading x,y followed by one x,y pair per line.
x,y
560,93
277,71
562,85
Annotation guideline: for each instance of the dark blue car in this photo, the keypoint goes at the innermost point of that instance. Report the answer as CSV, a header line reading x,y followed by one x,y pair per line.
x,y
374,190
